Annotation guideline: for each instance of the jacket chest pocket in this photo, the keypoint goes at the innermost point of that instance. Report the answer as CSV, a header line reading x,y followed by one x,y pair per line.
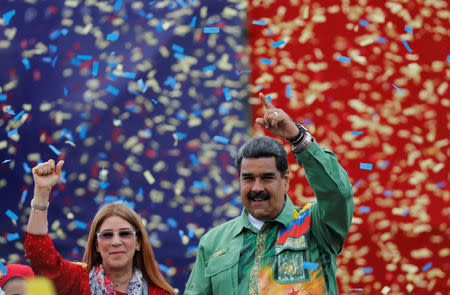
x,y
288,262
222,272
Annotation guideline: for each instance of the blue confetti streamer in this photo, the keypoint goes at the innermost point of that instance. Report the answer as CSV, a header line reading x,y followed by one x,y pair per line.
x,y
235,202
409,29
214,22
172,222
12,132
17,117
129,75
223,110
53,48
142,85
405,213
209,68
163,268
54,61
54,35
82,131
381,40
75,62
367,270
363,22
211,30
55,150
194,159
357,183
181,3
310,265
181,233
194,20
117,5
399,89
199,184
111,89
177,48
180,135
227,93
80,224
364,209
178,55
357,132
221,139
103,184
288,91
388,193
8,16
84,57
112,75
3,97
427,266
344,59
266,61
11,215
259,22
278,43
365,166
113,36
3,269
384,164
12,236
26,167
26,63
226,187
24,196
9,111
355,289
191,232
406,45
65,91
441,184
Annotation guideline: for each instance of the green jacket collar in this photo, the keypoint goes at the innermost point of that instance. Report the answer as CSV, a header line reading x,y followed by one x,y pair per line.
x,y
285,217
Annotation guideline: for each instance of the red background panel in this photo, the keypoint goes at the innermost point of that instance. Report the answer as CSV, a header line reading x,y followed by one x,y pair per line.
x,y
399,239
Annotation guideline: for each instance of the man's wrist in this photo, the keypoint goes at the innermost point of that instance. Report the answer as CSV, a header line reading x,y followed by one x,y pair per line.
x,y
301,131
305,143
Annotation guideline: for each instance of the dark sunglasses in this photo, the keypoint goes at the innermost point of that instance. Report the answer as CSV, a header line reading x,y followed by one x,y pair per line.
x,y
124,234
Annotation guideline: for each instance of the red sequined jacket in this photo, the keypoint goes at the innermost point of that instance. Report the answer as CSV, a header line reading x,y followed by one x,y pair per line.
x,y
68,278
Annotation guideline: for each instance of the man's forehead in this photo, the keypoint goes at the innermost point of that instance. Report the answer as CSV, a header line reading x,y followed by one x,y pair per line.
x,y
261,165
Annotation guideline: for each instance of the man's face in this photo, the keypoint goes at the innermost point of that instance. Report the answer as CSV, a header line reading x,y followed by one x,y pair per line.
x,y
262,187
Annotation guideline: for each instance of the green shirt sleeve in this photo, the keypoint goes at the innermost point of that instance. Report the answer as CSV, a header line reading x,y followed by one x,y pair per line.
x,y
198,283
332,213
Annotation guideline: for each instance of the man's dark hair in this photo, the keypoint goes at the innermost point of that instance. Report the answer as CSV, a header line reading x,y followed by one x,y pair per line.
x,y
263,147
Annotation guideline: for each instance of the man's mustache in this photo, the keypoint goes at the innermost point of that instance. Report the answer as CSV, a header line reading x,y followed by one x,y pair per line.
x,y
258,196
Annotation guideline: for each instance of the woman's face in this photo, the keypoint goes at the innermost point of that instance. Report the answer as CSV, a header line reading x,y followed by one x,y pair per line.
x,y
117,243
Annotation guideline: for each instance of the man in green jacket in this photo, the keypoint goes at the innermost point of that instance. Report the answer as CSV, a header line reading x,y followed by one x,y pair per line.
x,y
274,247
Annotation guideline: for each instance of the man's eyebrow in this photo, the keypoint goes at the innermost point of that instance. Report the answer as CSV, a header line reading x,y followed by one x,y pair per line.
x,y
247,174
263,174
268,174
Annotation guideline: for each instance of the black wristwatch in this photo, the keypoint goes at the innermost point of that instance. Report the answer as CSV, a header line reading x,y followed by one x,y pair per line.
x,y
294,141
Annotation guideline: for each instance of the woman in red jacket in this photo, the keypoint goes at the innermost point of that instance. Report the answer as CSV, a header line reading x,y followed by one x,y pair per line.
x,y
119,256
